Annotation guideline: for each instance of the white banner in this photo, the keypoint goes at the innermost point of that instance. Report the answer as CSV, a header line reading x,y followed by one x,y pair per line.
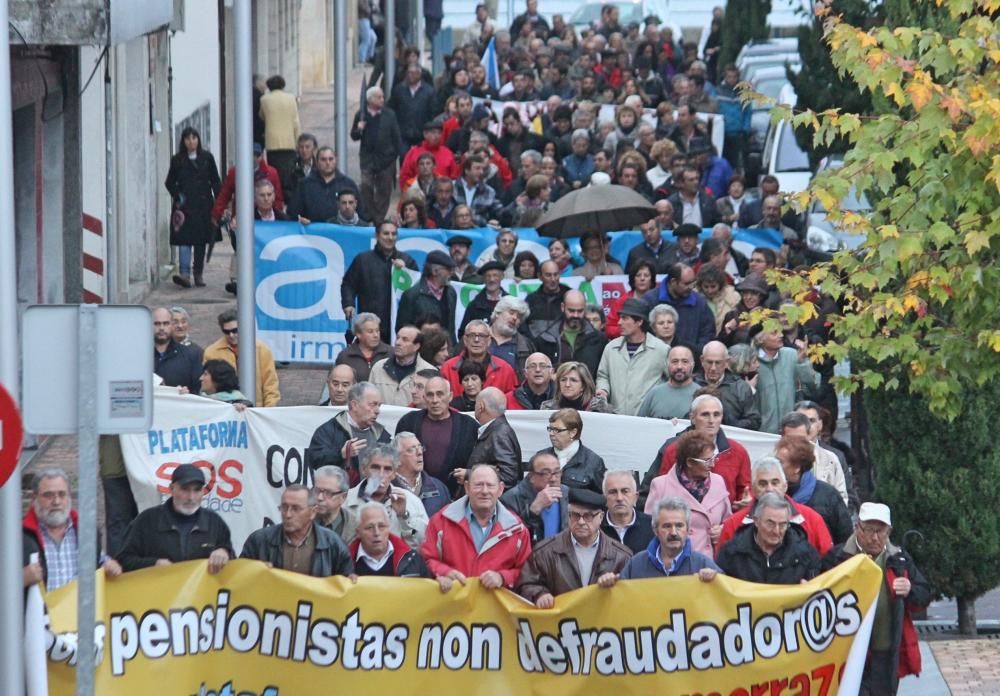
x,y
250,457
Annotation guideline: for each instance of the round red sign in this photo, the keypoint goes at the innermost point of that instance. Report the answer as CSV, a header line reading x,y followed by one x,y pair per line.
x,y
11,435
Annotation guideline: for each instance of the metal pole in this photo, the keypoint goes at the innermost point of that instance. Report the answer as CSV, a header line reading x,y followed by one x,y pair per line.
x,y
389,46
331,13
87,498
340,80
420,29
243,77
110,238
11,590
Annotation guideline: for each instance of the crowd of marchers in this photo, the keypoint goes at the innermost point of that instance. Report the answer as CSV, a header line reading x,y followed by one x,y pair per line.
x,y
450,495
444,498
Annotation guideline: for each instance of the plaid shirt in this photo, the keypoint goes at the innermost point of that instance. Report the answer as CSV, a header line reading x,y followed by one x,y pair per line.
x,y
61,559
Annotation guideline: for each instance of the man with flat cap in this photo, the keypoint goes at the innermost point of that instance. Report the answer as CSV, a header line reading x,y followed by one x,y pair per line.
x,y
893,651
432,297
633,363
579,556
178,530
485,301
464,271
686,250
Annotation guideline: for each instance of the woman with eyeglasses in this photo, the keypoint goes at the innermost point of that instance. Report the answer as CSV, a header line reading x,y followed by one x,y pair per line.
x,y
691,479
575,389
581,466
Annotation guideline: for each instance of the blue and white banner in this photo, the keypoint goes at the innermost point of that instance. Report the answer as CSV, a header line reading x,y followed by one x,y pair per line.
x,y
300,313
299,270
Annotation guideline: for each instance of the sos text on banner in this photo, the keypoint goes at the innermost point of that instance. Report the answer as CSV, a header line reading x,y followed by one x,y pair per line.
x,y
252,630
249,457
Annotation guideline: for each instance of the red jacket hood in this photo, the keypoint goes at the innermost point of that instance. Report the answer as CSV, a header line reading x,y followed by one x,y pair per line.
x,y
30,524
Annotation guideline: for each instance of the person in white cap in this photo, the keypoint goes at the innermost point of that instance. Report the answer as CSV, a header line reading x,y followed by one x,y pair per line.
x,y
893,651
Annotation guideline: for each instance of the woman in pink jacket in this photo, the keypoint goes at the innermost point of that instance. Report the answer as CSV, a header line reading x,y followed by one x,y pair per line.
x,y
691,479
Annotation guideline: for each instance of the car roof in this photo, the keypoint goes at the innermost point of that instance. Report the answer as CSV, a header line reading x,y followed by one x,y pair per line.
x,y
771,73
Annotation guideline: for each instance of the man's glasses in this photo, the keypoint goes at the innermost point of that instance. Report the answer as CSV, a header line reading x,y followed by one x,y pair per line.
x,y
548,473
584,516
327,493
775,526
231,332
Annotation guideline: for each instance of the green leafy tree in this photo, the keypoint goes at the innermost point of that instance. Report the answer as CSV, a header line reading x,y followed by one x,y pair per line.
x,y
819,85
745,20
921,295
933,475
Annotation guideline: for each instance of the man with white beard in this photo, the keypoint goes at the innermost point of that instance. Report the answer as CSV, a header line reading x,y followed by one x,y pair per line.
x,y
51,530
178,530
506,341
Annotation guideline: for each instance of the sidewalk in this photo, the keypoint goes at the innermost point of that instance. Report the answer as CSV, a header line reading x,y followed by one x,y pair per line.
x,y
930,682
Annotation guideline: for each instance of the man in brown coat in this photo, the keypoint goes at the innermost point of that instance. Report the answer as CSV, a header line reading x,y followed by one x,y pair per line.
x,y
560,563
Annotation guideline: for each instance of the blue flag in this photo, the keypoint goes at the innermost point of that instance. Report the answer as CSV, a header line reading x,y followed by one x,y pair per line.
x,y
492,67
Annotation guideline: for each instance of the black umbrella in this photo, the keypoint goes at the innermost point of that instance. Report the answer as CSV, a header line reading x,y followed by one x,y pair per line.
x,y
602,208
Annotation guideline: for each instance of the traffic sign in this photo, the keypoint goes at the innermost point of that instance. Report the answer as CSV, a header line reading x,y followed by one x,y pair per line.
x,y
11,435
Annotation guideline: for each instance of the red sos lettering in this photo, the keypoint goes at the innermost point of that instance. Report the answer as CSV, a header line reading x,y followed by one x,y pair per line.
x,y
226,479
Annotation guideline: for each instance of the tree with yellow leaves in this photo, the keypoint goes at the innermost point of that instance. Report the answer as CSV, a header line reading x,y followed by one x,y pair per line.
x,y
921,295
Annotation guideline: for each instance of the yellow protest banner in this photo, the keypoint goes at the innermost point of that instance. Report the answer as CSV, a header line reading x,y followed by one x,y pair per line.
x,y
253,630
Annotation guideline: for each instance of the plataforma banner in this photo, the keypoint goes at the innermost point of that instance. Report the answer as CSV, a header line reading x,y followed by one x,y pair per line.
x,y
249,457
252,630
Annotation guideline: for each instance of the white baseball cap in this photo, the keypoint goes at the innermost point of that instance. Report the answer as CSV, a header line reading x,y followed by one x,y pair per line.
x,y
877,512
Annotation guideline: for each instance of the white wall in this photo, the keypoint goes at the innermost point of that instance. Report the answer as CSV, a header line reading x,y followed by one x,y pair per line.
x,y
93,149
194,56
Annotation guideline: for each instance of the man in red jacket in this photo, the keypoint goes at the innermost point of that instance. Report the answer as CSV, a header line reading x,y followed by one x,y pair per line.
x,y
433,144
475,342
261,170
477,536
768,476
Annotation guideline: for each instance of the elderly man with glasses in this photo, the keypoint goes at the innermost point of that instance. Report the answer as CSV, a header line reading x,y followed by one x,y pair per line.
x,y
475,345
411,476
331,485
540,498
579,556
298,544
537,387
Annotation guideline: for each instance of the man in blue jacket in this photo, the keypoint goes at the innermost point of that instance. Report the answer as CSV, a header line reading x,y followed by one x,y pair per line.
x,y
695,321
670,554
737,119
